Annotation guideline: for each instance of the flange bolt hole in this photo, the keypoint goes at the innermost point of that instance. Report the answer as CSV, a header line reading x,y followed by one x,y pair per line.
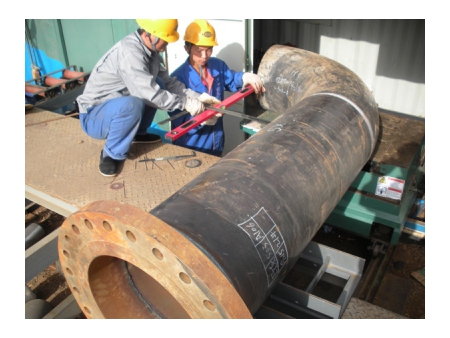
x,y
209,305
185,278
75,229
158,254
131,236
88,224
107,226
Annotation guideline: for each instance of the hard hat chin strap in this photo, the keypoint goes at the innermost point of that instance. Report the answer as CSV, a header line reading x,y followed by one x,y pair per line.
x,y
152,43
189,46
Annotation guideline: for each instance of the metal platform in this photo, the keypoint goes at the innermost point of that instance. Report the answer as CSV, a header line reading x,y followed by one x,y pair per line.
x,y
359,309
61,167
319,285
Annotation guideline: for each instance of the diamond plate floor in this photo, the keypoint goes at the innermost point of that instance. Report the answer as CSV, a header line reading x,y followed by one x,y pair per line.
x,y
61,163
359,309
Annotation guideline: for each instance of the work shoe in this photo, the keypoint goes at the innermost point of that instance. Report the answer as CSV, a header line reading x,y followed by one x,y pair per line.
x,y
107,166
147,138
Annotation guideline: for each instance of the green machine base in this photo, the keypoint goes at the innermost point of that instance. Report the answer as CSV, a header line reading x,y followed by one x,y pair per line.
x,y
399,156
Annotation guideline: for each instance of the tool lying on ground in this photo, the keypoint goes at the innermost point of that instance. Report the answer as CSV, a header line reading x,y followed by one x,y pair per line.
x,y
210,112
178,157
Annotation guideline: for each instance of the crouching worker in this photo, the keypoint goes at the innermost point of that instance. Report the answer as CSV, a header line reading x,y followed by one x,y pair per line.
x,y
126,87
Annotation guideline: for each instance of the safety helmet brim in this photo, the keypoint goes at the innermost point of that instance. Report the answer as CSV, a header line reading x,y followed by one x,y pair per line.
x,y
165,29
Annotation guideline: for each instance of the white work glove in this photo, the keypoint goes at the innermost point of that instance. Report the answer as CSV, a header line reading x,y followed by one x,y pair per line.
x,y
212,121
192,94
194,106
255,81
208,99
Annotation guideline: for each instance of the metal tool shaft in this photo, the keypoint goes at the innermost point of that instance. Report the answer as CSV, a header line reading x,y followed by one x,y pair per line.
x,y
220,110
184,112
234,113
177,157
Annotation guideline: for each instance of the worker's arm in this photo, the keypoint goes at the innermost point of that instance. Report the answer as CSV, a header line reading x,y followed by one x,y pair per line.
x,y
139,75
235,81
255,81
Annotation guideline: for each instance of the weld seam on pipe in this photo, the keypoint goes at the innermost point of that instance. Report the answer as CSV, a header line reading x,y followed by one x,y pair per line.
x,y
360,112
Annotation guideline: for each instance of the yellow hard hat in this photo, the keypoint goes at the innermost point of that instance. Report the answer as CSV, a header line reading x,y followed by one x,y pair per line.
x,y
201,33
165,29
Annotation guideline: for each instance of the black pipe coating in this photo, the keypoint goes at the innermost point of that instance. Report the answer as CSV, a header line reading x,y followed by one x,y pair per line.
x,y
256,209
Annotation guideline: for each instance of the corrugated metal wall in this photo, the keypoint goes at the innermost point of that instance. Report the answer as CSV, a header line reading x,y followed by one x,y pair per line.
x,y
388,55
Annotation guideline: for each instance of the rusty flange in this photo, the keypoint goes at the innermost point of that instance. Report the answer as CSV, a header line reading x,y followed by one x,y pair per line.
x,y
114,254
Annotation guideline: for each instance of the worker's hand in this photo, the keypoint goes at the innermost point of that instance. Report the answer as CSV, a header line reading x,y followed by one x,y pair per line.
x,y
213,120
208,99
255,81
194,106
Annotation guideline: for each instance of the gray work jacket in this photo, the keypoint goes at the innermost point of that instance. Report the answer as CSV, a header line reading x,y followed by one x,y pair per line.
x,y
130,68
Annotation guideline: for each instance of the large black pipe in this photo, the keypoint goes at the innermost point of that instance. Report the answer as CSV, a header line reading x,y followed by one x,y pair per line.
x,y
218,247
254,211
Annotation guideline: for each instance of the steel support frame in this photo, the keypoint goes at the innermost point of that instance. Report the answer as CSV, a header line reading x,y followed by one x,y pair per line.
x,y
334,262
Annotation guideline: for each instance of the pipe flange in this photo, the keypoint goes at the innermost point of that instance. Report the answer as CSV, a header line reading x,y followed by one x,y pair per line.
x,y
122,262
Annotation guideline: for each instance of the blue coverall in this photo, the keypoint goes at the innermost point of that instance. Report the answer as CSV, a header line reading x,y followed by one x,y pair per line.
x,y
207,139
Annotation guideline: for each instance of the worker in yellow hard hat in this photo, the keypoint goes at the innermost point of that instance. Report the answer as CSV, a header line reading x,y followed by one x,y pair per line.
x,y
206,74
126,87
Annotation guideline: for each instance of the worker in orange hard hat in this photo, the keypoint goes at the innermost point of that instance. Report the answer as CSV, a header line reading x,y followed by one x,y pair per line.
x,y
206,74
126,87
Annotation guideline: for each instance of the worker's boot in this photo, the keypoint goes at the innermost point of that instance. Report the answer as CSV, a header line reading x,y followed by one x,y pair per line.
x,y
108,166
147,138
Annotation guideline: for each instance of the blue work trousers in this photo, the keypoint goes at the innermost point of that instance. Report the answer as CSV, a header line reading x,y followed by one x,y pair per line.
x,y
118,121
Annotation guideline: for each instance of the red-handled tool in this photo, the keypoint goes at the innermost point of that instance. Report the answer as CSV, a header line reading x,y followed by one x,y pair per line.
x,y
207,114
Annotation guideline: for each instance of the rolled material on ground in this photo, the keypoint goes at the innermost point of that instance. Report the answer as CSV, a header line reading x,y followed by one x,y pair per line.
x,y
33,234
29,294
37,308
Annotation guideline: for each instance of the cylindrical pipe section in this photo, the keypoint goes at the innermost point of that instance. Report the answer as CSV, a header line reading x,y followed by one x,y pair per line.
x,y
33,234
37,308
228,237
256,209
